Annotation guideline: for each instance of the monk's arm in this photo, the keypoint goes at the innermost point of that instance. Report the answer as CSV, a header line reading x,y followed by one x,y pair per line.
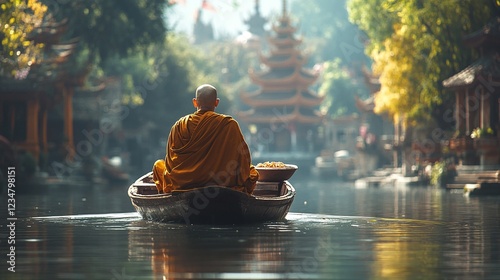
x,y
248,172
251,181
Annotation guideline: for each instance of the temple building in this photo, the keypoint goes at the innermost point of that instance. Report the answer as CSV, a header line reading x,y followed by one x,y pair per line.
x,y
284,112
26,101
477,94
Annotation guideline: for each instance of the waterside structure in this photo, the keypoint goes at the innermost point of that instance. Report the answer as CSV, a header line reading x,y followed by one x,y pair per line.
x,y
477,92
25,101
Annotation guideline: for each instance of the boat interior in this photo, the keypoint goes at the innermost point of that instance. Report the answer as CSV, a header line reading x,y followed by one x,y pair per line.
x,y
146,186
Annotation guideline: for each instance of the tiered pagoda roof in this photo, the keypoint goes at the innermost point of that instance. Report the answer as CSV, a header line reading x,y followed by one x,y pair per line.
x,y
284,86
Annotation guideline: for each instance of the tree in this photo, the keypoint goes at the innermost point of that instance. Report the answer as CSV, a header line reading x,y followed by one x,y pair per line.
x,y
108,27
166,89
415,47
232,59
17,20
338,45
340,90
326,25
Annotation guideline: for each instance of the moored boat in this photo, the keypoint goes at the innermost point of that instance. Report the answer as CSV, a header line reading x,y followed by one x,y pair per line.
x,y
482,188
270,201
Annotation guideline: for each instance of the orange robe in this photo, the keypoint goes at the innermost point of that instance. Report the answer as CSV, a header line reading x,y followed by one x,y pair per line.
x,y
205,148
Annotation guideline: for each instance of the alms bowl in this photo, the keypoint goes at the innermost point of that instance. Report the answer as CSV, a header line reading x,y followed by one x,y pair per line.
x,y
275,174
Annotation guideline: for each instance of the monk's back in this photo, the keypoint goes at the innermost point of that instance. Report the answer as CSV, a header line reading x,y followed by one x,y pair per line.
x,y
205,148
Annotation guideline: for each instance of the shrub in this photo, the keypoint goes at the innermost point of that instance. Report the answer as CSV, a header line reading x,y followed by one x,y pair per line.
x,y
443,172
482,132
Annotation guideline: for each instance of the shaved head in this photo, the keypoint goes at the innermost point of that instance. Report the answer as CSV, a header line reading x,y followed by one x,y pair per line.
x,y
206,97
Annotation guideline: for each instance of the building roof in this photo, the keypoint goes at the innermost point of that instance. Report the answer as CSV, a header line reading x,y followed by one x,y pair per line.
x,y
283,61
365,106
276,77
298,114
282,98
487,36
485,70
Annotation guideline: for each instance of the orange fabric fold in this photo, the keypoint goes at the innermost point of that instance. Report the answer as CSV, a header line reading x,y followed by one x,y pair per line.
x,y
205,148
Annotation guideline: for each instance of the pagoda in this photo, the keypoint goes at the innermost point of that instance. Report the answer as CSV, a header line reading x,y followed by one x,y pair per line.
x,y
202,32
256,22
283,107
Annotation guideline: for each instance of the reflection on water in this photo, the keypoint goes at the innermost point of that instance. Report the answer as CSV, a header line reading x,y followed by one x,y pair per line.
x,y
386,233
306,246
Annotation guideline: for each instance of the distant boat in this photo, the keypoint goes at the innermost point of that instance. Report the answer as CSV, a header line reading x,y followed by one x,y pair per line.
x,y
111,169
270,201
337,163
482,188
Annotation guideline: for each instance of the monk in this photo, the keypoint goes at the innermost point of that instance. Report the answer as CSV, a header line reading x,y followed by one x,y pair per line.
x,y
205,148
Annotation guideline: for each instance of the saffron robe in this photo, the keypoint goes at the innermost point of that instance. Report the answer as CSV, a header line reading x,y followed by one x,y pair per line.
x,y
205,148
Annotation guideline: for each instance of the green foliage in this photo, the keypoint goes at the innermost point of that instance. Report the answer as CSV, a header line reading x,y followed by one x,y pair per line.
x,y
172,73
132,71
329,33
337,44
231,60
340,89
109,27
415,45
230,63
442,173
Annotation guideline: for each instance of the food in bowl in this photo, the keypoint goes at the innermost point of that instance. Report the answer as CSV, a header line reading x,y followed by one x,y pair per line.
x,y
272,164
275,171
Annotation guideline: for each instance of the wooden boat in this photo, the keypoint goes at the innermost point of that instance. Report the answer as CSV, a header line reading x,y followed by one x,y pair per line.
x,y
212,204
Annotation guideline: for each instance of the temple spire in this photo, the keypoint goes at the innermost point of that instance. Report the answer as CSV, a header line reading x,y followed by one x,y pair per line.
x,y
257,7
284,8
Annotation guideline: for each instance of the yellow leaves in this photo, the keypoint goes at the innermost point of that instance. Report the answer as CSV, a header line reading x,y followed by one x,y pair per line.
x,y
395,65
18,19
424,47
403,67
134,99
38,8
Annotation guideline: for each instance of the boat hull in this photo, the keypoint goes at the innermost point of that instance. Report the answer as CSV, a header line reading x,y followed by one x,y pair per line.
x,y
213,204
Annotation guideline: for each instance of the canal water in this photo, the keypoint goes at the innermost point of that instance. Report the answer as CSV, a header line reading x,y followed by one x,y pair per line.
x,y
334,231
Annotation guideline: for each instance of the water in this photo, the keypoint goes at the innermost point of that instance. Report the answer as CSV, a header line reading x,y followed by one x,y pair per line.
x,y
334,231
